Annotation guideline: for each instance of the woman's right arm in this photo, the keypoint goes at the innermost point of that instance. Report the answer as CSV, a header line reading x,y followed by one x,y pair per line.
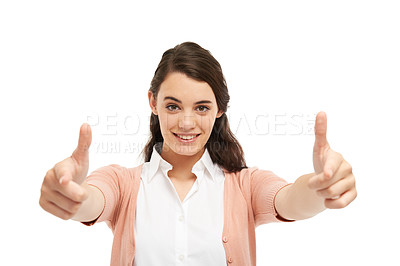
x,y
65,193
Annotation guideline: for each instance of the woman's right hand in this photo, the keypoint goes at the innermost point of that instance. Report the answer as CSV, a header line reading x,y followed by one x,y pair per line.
x,y
63,190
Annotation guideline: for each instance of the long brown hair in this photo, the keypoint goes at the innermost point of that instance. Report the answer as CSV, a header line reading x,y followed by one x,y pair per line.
x,y
197,63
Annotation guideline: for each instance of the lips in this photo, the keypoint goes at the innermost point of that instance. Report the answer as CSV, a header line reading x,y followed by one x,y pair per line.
x,y
186,137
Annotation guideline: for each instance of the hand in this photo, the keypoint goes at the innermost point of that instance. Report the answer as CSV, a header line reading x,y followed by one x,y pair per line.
x,y
334,180
62,193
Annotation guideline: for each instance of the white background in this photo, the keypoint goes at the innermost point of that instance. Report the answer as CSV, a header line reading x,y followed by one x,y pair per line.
x,y
63,63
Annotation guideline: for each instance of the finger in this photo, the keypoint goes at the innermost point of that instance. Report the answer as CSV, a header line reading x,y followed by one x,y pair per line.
x,y
73,191
85,139
332,164
320,130
344,200
316,181
50,176
338,188
55,210
65,179
63,202
321,181
64,171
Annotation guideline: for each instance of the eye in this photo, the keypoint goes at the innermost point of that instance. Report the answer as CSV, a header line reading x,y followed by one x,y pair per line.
x,y
172,107
203,108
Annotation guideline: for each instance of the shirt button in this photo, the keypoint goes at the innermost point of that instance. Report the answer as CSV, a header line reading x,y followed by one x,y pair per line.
x,y
225,239
181,218
181,257
230,260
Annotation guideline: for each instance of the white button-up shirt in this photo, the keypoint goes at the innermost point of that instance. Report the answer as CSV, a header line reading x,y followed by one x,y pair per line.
x,y
171,232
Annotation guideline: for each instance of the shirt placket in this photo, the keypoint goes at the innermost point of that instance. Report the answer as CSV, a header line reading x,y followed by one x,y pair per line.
x,y
181,220
181,234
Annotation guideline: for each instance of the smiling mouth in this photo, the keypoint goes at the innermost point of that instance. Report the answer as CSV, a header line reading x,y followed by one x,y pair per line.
x,y
186,137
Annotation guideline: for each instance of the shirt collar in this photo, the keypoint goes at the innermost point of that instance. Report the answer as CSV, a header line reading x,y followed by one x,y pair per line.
x,y
157,162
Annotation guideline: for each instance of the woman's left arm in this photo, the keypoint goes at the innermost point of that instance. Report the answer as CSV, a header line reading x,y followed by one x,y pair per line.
x,y
331,186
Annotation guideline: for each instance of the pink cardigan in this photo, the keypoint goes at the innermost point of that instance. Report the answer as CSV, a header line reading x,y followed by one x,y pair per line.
x,y
248,202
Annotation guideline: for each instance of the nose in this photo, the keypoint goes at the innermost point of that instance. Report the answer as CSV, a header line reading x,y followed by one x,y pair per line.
x,y
187,122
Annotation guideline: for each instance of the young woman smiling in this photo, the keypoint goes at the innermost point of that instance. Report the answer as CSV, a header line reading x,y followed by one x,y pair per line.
x,y
194,201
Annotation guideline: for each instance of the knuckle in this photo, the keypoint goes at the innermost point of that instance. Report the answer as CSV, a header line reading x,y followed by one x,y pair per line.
x,y
353,194
328,204
348,166
41,203
48,173
45,205
352,181
319,181
78,197
341,203
42,191
66,216
56,166
330,192
336,204
46,179
75,207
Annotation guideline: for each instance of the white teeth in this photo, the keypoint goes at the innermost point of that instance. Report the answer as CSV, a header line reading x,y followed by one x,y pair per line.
x,y
187,137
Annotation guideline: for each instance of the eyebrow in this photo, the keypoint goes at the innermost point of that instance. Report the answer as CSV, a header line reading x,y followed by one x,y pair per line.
x,y
179,101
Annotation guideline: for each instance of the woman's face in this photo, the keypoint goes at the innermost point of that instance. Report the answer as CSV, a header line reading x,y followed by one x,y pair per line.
x,y
187,110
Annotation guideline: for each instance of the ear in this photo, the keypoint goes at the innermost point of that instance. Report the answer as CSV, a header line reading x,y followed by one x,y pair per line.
x,y
153,103
220,113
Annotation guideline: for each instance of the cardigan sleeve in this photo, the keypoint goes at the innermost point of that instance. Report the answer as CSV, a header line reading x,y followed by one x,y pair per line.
x,y
109,180
264,186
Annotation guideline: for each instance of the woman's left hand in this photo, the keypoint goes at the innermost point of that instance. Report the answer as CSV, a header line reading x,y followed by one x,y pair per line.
x,y
334,180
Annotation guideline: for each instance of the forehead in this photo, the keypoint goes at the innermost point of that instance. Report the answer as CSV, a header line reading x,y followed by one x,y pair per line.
x,y
185,89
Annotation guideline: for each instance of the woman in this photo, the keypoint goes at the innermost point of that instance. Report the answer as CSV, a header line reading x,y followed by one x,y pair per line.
x,y
194,201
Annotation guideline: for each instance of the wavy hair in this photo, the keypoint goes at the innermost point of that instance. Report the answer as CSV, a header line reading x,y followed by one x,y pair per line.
x,y
197,63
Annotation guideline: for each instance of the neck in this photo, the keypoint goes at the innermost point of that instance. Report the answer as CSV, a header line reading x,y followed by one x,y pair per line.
x,y
181,163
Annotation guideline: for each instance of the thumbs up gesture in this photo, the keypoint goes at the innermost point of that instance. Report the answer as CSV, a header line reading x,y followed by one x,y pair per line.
x,y
334,180
62,193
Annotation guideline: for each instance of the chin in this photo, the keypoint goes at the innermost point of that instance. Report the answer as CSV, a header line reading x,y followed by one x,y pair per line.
x,y
185,149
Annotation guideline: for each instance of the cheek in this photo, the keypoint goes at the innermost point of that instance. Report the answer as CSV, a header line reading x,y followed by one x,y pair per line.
x,y
168,121
206,123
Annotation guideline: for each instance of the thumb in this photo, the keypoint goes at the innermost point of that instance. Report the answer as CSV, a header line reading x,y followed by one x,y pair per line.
x,y
320,132
85,139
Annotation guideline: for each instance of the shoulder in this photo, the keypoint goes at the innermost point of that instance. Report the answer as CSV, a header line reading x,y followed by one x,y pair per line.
x,y
112,169
250,173
253,180
116,168
116,172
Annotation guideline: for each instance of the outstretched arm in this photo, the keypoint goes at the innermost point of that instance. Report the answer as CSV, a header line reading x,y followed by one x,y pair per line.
x,y
332,185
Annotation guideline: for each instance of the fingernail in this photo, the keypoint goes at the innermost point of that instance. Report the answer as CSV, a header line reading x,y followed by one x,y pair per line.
x,y
61,179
